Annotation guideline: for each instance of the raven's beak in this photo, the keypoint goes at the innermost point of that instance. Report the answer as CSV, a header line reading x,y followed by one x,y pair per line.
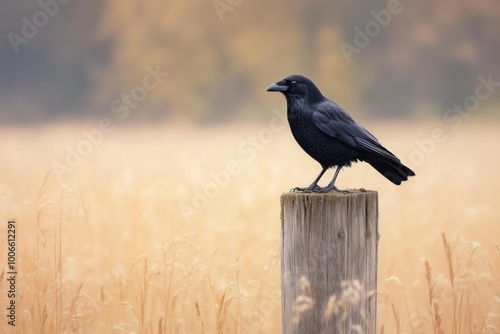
x,y
277,88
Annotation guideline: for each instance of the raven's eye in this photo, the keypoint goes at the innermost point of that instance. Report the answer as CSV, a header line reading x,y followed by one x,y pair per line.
x,y
293,83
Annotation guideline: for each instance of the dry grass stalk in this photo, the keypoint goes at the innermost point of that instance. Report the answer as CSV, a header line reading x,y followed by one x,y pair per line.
x,y
224,306
497,246
396,318
451,273
44,317
72,308
39,211
303,302
147,278
167,282
340,308
198,317
160,326
438,320
144,294
332,308
430,291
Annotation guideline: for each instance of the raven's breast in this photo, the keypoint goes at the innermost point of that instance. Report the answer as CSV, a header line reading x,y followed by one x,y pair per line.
x,y
328,151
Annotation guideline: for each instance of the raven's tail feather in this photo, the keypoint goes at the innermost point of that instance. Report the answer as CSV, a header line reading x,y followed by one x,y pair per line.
x,y
396,173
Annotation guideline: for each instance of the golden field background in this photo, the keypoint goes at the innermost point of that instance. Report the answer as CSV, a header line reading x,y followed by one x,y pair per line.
x,y
107,250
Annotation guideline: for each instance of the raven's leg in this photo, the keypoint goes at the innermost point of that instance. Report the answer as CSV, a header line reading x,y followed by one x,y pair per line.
x,y
314,184
331,185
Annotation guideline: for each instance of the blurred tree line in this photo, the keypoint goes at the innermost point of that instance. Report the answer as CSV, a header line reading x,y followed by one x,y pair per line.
x,y
222,54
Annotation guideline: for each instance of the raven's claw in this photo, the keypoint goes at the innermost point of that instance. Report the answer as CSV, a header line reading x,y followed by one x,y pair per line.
x,y
305,189
328,189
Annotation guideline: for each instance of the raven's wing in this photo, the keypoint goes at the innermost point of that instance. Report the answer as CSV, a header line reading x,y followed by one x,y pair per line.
x,y
333,121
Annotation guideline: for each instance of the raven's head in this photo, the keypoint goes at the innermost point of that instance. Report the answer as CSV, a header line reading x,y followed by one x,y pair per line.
x,y
297,87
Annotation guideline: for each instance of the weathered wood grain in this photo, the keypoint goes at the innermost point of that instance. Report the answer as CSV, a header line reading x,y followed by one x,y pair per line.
x,y
329,262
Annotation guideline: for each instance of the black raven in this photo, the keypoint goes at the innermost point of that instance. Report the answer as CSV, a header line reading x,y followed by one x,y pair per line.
x,y
330,136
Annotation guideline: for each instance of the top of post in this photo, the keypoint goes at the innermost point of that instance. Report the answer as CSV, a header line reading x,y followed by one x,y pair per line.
x,y
330,194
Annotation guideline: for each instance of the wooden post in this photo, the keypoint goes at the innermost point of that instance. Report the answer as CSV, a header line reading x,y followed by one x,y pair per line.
x,y
329,262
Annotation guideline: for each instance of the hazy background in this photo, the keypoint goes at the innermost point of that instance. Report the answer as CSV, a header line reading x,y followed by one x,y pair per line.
x,y
221,56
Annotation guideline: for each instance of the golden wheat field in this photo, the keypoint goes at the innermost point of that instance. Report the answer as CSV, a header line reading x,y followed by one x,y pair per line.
x,y
163,229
